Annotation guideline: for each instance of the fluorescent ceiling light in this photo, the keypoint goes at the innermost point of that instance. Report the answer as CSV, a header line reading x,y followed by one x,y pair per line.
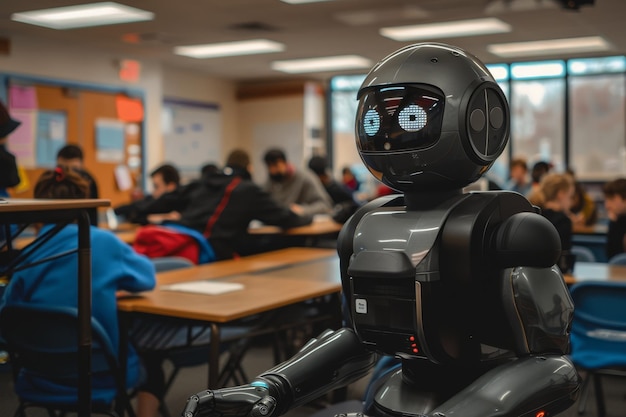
x,y
214,50
330,63
548,47
302,1
537,69
94,14
454,29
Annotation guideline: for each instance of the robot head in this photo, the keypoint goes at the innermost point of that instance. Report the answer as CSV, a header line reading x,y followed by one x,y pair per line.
x,y
430,118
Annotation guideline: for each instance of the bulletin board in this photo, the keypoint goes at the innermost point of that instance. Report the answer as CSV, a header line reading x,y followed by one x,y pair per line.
x,y
106,124
192,135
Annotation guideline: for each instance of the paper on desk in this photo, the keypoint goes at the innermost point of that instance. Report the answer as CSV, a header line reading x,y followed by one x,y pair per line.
x,y
204,287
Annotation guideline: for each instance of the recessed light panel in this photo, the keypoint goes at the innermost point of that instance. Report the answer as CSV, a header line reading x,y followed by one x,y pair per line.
x,y
84,15
215,50
549,47
452,29
331,63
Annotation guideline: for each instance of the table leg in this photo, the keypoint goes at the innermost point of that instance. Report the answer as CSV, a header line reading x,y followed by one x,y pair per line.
x,y
214,356
84,315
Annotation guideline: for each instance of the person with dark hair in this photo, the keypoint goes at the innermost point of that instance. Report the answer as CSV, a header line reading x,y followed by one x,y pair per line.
x,y
518,176
537,172
349,179
165,198
9,175
115,267
223,204
71,157
297,189
583,211
344,203
615,204
209,169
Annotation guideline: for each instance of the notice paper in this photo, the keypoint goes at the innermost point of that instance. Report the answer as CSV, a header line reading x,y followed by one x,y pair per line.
x,y
204,287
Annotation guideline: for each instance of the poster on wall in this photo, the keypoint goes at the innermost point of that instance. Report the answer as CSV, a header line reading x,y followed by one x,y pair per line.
x,y
22,140
192,135
51,136
110,140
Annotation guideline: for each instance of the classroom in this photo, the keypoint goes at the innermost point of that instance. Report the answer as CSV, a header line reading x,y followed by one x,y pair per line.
x,y
315,207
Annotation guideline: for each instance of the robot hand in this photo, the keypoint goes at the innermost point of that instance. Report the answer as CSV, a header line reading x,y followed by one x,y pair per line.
x,y
242,401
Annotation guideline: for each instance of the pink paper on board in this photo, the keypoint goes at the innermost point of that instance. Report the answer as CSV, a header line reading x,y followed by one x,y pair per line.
x,y
22,140
22,97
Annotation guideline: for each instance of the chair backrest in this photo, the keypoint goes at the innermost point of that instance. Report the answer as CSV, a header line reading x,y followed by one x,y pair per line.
x,y
583,254
43,341
168,263
599,327
619,259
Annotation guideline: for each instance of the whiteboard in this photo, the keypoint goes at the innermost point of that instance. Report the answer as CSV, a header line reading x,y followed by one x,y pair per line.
x,y
192,135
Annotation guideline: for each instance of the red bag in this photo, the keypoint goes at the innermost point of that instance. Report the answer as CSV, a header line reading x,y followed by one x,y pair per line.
x,y
157,241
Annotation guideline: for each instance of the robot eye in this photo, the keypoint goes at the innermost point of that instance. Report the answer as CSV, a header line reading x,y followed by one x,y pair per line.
x,y
412,118
371,122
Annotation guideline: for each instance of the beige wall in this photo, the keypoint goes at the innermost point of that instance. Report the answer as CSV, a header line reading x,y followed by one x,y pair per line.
x,y
242,119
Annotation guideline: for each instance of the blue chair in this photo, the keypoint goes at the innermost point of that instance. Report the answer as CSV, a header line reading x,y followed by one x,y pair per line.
x,y
583,254
598,334
619,259
42,342
168,263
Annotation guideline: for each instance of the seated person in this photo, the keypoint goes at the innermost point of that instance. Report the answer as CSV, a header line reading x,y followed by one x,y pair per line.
x,y
222,205
71,157
349,180
298,189
518,176
615,204
9,175
583,210
556,191
165,197
344,203
115,266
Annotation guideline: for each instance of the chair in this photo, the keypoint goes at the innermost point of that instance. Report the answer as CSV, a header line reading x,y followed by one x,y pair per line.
x,y
598,334
619,259
583,254
42,342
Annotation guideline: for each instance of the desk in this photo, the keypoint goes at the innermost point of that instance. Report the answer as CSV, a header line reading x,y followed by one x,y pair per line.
x,y
271,280
316,228
25,211
596,271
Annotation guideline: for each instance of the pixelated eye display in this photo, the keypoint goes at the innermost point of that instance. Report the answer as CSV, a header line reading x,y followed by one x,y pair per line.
x,y
412,118
371,122
399,118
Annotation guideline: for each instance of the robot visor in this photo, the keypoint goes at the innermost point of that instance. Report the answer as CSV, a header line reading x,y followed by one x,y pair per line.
x,y
394,118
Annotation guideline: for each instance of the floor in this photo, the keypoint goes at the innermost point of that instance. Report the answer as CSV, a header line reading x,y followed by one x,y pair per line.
x,y
259,359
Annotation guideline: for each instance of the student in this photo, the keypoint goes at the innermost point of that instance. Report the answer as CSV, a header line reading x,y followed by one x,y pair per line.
x,y
556,192
344,203
539,169
615,204
71,157
9,176
349,179
518,176
583,210
164,198
293,188
115,266
223,205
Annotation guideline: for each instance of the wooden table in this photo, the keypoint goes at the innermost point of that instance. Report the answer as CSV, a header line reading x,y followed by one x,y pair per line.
x,y
271,280
596,271
27,211
316,228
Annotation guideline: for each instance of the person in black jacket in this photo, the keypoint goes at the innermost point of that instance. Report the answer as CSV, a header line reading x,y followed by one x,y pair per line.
x,y
165,197
9,176
223,204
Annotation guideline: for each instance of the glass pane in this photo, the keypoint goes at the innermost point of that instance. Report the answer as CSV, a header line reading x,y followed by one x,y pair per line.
x,y
596,65
597,126
537,121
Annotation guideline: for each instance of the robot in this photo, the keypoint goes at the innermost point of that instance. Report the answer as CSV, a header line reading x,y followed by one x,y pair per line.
x,y
461,288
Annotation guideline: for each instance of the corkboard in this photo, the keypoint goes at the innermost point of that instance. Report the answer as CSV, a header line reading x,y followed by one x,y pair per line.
x,y
83,108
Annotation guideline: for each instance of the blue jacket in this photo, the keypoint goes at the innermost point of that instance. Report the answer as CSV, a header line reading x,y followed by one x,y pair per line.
x,y
115,266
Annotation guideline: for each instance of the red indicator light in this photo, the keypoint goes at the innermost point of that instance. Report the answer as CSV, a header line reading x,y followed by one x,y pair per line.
x,y
412,339
415,351
413,345
540,414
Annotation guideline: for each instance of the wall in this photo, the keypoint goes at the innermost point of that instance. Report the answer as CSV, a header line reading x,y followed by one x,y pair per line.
x,y
41,58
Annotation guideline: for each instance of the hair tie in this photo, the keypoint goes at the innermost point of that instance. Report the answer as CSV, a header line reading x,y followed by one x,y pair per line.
x,y
59,174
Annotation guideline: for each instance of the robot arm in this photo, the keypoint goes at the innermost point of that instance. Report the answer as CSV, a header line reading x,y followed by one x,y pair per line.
x,y
331,361
534,385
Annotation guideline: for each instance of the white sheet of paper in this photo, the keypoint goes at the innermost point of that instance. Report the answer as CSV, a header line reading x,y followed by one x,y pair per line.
x,y
204,287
